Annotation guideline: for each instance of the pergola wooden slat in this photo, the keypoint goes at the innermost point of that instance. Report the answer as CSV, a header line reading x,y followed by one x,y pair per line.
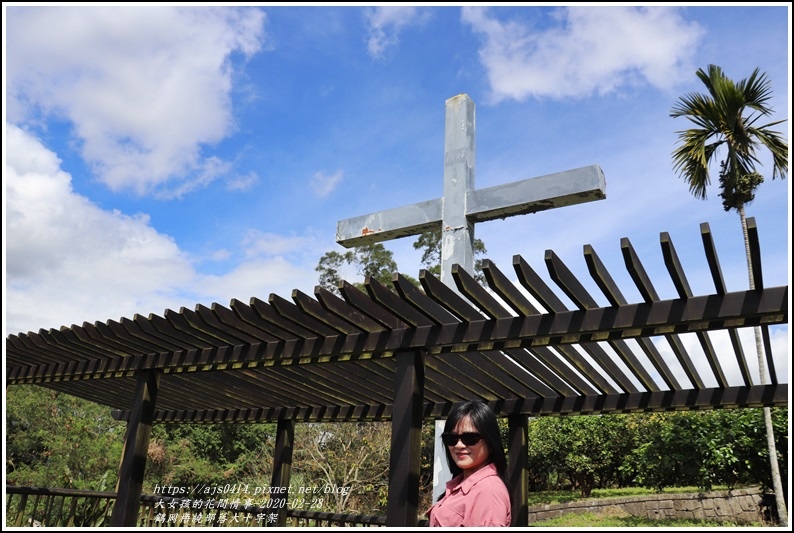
x,y
413,353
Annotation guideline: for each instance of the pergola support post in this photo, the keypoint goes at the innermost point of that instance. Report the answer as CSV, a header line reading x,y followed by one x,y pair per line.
x,y
136,447
406,440
282,466
518,468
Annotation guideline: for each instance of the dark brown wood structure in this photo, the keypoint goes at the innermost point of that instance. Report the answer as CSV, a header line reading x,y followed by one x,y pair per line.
x,y
413,354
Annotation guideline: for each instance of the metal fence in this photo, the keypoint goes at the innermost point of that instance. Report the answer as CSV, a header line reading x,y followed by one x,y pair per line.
x,y
47,507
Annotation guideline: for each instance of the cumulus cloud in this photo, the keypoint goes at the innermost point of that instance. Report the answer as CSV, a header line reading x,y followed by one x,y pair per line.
x,y
261,277
143,89
68,261
384,25
585,51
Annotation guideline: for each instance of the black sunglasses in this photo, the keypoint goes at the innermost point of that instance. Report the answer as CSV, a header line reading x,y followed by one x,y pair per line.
x,y
469,438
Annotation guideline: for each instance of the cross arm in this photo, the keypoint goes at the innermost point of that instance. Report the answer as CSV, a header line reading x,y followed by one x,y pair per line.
x,y
531,195
389,224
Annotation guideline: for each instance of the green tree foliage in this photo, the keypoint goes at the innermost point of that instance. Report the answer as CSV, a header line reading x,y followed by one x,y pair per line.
x,y
430,244
654,450
668,455
726,118
370,260
581,452
375,261
210,454
706,448
57,440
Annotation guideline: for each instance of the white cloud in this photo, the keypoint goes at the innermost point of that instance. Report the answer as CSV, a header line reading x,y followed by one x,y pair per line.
x,y
243,182
259,278
143,88
385,24
588,50
720,341
263,244
323,184
68,261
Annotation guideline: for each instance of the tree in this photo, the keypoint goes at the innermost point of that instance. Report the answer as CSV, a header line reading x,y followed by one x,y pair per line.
x,y
346,464
369,260
54,439
183,454
721,123
430,242
587,451
703,448
375,261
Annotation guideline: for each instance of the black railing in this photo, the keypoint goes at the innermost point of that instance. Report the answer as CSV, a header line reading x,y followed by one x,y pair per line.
x,y
37,506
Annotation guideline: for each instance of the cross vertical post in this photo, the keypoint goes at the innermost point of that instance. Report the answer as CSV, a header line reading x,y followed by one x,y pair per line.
x,y
457,230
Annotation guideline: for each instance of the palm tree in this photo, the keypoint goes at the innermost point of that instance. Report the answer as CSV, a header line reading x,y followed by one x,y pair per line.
x,y
720,121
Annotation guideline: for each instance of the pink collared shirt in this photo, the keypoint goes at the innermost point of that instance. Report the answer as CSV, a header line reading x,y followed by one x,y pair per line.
x,y
479,500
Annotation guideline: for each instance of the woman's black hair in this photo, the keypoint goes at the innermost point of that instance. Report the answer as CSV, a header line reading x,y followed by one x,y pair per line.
x,y
484,420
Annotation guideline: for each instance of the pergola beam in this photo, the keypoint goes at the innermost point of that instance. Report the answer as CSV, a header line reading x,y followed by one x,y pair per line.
x,y
683,315
637,402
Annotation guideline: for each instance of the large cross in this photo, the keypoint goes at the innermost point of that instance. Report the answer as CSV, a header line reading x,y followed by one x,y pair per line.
x,y
462,206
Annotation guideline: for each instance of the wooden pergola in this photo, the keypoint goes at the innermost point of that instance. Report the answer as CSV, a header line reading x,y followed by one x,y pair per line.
x,y
412,354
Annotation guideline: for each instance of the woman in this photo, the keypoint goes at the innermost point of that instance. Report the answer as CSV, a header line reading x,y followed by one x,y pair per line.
x,y
477,495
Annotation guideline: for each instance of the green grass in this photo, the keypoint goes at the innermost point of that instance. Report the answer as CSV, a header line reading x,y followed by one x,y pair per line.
x,y
565,496
572,520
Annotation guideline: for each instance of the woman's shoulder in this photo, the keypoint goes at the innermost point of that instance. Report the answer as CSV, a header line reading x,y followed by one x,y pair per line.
x,y
487,478
487,472
492,483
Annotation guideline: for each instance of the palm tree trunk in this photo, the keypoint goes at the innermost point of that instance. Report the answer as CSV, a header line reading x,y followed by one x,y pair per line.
x,y
777,484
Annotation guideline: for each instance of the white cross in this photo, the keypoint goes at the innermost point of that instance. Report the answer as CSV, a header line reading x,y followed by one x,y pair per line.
x,y
462,206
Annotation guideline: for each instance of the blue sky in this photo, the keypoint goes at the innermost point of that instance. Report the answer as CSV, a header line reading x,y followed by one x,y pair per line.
x,y
159,157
